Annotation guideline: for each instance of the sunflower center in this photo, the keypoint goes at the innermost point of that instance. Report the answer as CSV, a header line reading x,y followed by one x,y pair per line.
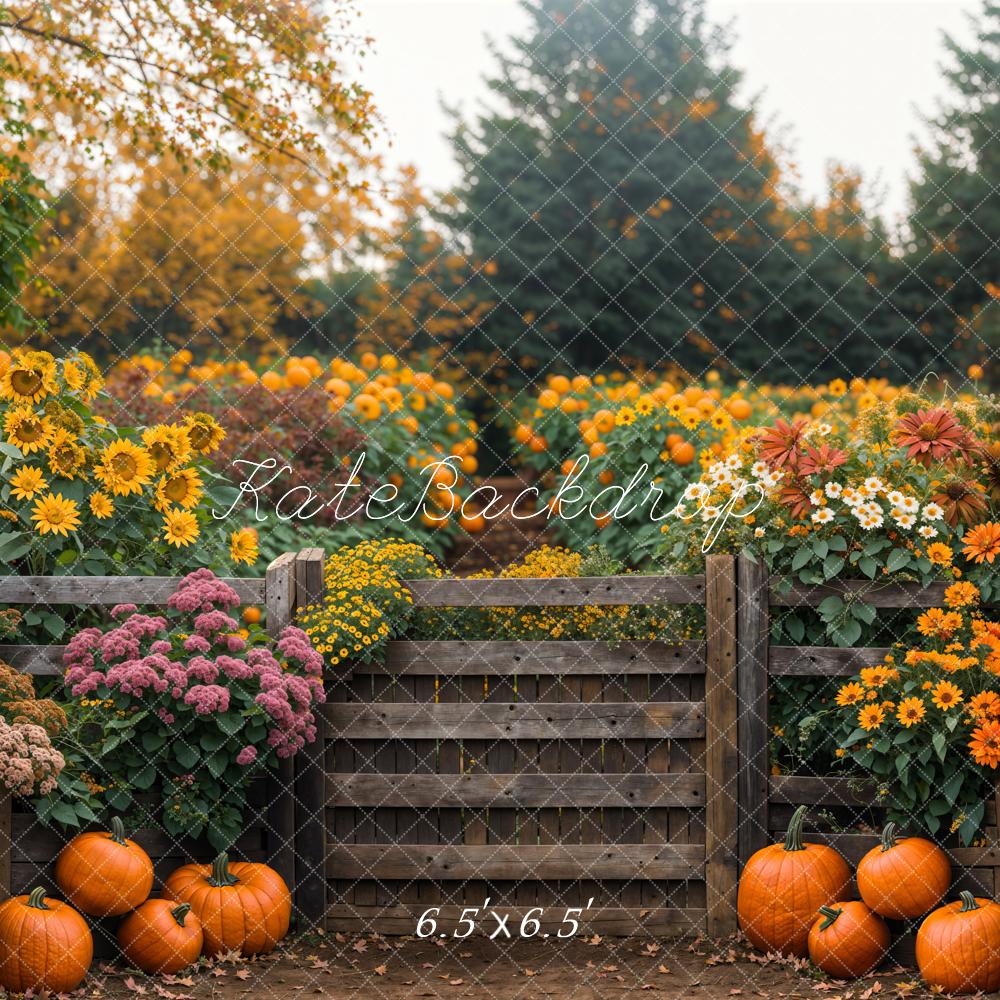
x,y
124,466
30,430
162,456
55,515
927,432
26,382
201,436
176,488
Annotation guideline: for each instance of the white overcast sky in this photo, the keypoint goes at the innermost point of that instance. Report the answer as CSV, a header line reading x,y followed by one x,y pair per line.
x,y
845,79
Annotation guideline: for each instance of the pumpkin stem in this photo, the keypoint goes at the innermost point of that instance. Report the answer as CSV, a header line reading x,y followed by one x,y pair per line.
x,y
793,839
968,901
889,837
221,875
180,912
117,830
36,899
831,915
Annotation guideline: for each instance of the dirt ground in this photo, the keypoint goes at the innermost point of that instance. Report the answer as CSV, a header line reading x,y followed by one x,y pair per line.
x,y
583,969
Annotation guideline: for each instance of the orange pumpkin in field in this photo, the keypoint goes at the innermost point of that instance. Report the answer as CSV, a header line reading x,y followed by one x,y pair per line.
x,y
903,878
161,936
783,886
243,906
44,945
958,946
848,940
103,874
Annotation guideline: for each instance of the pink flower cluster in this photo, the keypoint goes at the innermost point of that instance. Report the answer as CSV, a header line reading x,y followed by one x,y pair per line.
x,y
199,665
28,759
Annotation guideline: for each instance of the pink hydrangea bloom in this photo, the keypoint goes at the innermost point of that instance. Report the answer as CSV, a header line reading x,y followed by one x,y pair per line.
x,y
246,756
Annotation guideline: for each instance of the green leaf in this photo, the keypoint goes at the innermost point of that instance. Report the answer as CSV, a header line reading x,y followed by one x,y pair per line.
x,y
217,764
863,612
848,633
940,743
119,799
230,723
898,558
838,543
152,741
144,779
186,755
65,813
801,558
210,742
868,566
821,547
830,606
795,627
970,826
832,566
952,787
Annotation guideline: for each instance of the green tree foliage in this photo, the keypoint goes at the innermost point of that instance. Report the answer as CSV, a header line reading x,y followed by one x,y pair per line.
x,y
952,287
21,209
621,202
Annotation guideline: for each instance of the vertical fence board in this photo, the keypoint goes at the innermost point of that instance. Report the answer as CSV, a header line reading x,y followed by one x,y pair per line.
x,y
6,849
721,754
751,669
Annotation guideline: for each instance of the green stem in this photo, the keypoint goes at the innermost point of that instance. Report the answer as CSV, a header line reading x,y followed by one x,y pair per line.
x,y
831,915
221,875
968,901
36,898
117,830
889,837
180,912
793,839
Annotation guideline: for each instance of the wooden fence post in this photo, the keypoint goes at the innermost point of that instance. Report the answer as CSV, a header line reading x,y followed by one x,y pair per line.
x,y
310,768
6,843
721,754
279,602
752,667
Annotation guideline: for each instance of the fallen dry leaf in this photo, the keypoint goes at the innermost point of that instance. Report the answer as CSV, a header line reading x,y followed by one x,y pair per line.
x,y
379,970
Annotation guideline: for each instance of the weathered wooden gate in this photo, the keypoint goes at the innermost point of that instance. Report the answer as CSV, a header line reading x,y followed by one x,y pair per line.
x,y
551,774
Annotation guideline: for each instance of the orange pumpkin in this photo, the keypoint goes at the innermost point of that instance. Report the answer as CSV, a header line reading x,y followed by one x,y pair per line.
x,y
783,886
958,946
161,936
44,945
848,940
243,906
904,878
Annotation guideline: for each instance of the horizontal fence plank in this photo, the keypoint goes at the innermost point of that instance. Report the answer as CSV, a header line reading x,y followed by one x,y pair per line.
x,y
39,660
515,720
854,846
608,921
525,790
821,661
793,789
546,657
458,592
874,592
108,589
524,861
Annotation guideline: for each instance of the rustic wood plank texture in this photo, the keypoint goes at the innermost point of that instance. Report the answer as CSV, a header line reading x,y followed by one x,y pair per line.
x,y
609,921
310,815
821,661
544,657
513,862
854,846
42,661
751,678
279,605
874,592
512,721
87,590
6,845
557,592
798,790
721,753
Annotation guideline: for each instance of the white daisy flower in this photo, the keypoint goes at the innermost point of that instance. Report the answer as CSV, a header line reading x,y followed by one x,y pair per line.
x,y
823,515
926,531
833,490
758,532
734,461
895,498
910,504
759,469
824,429
873,485
816,498
933,512
903,520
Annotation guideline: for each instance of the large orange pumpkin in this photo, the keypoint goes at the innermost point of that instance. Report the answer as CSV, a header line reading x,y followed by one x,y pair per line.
x,y
958,946
44,944
161,936
104,874
848,940
243,906
903,878
782,887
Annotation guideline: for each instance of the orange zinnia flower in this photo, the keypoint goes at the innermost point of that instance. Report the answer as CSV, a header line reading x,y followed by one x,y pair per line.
x,y
946,695
985,744
982,543
930,435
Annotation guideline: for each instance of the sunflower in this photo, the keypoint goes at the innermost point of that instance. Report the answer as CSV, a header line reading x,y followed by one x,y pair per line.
x,y
67,457
124,467
204,432
930,435
946,695
850,694
27,481
82,376
181,488
63,418
982,543
54,513
985,744
180,527
871,717
26,429
961,595
243,546
910,712
625,417
961,500
168,444
939,623
989,455
31,376
101,506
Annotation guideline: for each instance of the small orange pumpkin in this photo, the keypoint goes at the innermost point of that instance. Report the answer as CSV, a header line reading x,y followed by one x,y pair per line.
x,y
903,878
104,874
848,940
161,936
782,887
243,906
958,946
44,945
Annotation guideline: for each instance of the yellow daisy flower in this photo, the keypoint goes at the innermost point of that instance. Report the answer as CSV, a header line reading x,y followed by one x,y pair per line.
x,y
30,377
180,527
27,481
55,514
182,488
243,546
946,695
169,446
204,432
101,506
67,458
